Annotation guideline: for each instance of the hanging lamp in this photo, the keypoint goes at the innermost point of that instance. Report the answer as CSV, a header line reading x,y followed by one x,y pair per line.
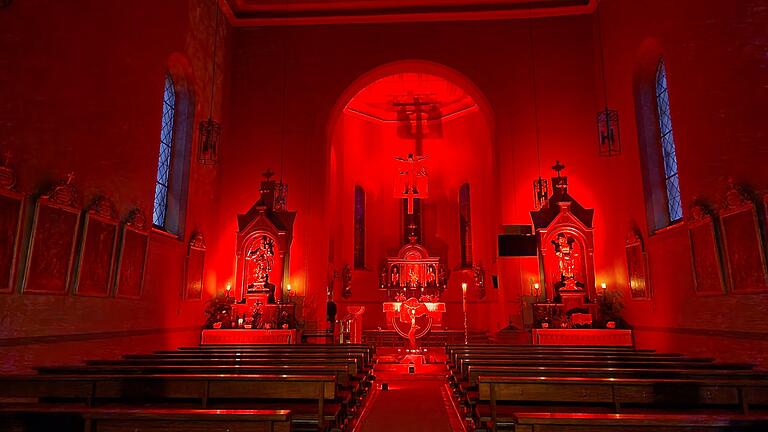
x,y
210,130
608,136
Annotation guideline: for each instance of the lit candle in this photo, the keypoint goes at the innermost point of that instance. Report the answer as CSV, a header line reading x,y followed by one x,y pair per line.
x,y
604,286
289,289
464,287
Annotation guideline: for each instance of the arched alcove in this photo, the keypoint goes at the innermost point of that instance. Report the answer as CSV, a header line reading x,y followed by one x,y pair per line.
x,y
367,130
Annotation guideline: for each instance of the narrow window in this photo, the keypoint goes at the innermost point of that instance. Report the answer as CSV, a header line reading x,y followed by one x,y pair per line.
x,y
465,226
671,178
162,181
359,228
172,176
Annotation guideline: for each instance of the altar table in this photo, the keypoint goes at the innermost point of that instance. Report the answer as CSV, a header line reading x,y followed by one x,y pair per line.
x,y
585,337
436,311
248,336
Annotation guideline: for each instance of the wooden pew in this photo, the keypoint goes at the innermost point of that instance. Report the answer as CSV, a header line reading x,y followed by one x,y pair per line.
x,y
226,391
462,375
651,422
467,391
350,393
613,393
47,417
452,354
353,366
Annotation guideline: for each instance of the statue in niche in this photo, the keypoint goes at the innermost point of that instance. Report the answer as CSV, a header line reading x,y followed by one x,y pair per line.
x,y
270,287
431,277
395,276
261,257
566,256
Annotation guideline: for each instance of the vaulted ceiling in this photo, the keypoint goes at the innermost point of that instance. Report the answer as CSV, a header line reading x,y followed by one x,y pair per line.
x,y
307,12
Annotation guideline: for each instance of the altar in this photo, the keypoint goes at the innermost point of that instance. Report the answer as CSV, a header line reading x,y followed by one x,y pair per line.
x,y
248,337
436,311
583,337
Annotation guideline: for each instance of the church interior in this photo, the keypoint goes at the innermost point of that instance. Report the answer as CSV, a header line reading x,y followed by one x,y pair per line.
x,y
383,215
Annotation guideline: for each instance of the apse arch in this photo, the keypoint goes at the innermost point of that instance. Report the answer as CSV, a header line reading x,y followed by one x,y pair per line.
x,y
412,65
360,151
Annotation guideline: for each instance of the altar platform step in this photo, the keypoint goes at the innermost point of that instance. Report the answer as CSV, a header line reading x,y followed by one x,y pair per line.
x,y
512,336
390,338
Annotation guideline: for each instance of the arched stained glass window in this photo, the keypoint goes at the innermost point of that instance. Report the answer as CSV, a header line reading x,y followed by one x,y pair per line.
x,y
162,182
359,227
667,140
465,226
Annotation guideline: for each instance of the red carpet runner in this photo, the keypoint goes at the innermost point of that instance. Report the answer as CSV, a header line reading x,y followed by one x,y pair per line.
x,y
417,402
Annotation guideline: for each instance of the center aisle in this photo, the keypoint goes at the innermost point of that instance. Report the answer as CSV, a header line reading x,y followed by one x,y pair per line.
x,y
417,402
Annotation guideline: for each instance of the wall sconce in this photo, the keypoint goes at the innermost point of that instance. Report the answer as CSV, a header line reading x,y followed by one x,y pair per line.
x,y
604,287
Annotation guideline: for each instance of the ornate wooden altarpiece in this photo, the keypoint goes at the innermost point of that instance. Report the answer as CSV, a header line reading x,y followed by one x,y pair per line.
x,y
132,257
264,239
53,240
11,211
413,279
98,245
565,239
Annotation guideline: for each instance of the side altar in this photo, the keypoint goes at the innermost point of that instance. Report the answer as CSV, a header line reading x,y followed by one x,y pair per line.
x,y
569,303
260,309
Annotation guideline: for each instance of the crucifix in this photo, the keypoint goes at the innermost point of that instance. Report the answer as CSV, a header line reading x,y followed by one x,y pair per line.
x,y
559,182
415,180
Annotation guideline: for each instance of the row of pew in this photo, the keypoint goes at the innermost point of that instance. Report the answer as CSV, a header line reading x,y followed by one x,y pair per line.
x,y
202,388
570,388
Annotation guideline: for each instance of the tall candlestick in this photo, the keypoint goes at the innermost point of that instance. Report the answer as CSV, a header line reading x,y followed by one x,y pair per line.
x,y
464,307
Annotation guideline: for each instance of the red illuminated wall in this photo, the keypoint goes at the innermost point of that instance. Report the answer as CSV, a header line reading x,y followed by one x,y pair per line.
x,y
715,55
82,91
307,74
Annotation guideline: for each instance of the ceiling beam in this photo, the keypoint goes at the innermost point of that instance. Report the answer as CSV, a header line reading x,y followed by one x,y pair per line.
x,y
246,13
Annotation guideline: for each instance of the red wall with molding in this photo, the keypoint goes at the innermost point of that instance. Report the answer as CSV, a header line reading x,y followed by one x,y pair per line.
x,y
715,56
82,92
307,74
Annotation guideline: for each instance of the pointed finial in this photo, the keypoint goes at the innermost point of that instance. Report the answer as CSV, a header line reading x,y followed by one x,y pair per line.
x,y
268,174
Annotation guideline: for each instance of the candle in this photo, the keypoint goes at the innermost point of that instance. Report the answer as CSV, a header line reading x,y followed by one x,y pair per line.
x,y
603,285
289,289
464,287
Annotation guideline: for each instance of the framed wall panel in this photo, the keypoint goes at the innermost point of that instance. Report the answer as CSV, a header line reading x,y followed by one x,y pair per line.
x,y
11,212
194,268
52,243
132,257
706,258
637,266
94,276
742,243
